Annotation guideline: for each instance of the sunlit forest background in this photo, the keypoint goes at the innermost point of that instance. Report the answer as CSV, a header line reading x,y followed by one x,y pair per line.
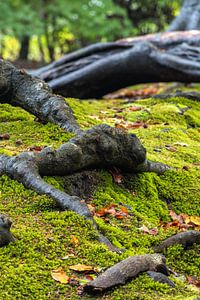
x,y
40,31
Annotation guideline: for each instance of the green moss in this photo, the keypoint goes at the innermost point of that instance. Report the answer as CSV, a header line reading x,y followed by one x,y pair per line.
x,y
44,234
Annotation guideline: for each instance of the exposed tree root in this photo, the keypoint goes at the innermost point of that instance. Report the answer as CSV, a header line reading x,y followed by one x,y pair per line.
x,y
102,68
186,239
34,95
100,147
5,235
126,269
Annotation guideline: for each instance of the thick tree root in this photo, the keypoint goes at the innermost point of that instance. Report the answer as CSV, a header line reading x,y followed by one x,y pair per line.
x,y
186,239
34,95
100,147
126,269
5,235
103,68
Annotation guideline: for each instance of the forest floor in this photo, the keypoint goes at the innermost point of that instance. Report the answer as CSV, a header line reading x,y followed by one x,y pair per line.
x,y
49,240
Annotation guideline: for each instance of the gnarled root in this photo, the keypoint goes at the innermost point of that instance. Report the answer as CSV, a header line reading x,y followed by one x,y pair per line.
x,y
34,95
100,147
125,269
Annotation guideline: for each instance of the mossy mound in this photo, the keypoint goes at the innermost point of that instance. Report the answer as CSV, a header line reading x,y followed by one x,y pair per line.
x,y
44,235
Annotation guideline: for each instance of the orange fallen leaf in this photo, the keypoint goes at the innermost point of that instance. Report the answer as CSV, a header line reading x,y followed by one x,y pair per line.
x,y
124,209
60,275
74,240
81,268
117,177
135,108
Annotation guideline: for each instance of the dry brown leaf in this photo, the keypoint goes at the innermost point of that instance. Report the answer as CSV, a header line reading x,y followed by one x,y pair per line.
x,y
117,177
60,275
74,240
135,108
81,268
145,229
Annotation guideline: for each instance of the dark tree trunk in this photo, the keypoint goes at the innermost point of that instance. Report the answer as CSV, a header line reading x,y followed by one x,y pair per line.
x,y
102,68
189,17
24,50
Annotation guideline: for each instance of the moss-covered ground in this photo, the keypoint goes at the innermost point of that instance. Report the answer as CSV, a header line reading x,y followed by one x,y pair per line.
x,y
44,235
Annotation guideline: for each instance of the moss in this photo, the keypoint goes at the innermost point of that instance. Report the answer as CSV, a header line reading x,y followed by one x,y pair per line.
x,y
44,234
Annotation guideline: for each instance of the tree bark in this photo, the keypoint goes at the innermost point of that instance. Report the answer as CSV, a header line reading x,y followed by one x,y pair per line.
x,y
20,89
102,68
100,147
24,50
187,239
125,269
188,18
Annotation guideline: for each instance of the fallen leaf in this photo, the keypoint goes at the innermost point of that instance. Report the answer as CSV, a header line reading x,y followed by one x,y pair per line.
x,y
124,209
170,148
60,275
194,281
176,217
74,240
67,256
145,229
137,124
182,222
81,268
192,219
36,148
135,108
117,177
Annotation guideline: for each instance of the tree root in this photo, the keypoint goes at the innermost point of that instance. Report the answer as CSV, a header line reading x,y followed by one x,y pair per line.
x,y
5,235
188,18
186,239
100,147
34,95
126,269
100,69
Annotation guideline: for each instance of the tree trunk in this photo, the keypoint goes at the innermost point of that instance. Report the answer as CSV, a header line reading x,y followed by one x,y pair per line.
x,y
105,67
24,50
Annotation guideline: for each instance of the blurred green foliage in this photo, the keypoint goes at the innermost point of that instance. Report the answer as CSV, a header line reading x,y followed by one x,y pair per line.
x,y
60,26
